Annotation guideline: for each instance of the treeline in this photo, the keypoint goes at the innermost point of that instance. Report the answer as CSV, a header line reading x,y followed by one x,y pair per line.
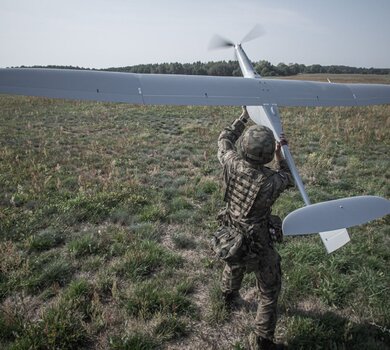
x,y
221,68
53,66
231,68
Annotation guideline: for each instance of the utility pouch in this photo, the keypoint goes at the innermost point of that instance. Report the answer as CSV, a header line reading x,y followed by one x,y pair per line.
x,y
275,228
222,217
228,244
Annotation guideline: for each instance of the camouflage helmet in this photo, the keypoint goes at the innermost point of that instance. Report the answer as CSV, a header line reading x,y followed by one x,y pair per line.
x,y
258,144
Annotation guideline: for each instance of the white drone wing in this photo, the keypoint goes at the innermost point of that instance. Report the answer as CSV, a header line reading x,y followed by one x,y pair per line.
x,y
164,89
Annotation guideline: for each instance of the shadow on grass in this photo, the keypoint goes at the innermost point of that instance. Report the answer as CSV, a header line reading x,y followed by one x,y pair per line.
x,y
316,330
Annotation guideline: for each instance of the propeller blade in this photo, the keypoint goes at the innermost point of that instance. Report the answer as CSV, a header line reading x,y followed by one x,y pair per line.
x,y
256,31
218,42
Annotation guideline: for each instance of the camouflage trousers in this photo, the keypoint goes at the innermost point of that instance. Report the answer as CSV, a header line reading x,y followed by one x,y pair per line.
x,y
266,268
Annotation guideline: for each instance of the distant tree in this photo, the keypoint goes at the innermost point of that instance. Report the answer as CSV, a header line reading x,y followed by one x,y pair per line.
x,y
265,68
283,69
315,68
294,68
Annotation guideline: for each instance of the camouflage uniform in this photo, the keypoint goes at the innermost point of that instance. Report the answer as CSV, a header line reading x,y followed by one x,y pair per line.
x,y
251,189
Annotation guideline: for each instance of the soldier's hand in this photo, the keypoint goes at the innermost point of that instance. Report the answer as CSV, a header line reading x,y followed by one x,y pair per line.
x,y
244,117
283,141
278,149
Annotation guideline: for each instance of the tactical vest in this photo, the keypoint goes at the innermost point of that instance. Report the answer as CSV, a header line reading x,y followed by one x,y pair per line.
x,y
242,188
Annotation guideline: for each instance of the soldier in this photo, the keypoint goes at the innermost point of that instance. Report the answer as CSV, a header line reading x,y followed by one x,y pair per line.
x,y
245,240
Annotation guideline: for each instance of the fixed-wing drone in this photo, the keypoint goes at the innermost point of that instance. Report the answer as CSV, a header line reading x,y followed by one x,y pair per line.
x,y
262,98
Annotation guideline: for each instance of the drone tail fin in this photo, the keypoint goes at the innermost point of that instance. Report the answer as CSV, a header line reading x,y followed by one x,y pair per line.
x,y
333,217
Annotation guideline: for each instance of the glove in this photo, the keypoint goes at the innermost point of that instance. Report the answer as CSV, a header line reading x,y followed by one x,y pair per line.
x,y
244,117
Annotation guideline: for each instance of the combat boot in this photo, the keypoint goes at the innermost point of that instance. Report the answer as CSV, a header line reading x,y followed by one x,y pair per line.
x,y
258,343
233,300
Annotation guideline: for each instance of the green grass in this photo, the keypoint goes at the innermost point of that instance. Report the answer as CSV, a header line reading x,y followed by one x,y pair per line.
x,y
136,341
218,312
170,327
106,212
58,327
45,240
144,258
154,297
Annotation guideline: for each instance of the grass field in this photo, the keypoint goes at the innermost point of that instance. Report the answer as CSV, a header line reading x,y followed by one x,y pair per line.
x,y
106,212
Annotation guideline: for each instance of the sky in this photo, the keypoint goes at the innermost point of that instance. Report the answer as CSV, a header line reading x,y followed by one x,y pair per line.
x,y
117,33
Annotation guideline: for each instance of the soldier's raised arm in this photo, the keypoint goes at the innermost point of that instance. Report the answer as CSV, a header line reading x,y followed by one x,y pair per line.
x,y
284,172
229,136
